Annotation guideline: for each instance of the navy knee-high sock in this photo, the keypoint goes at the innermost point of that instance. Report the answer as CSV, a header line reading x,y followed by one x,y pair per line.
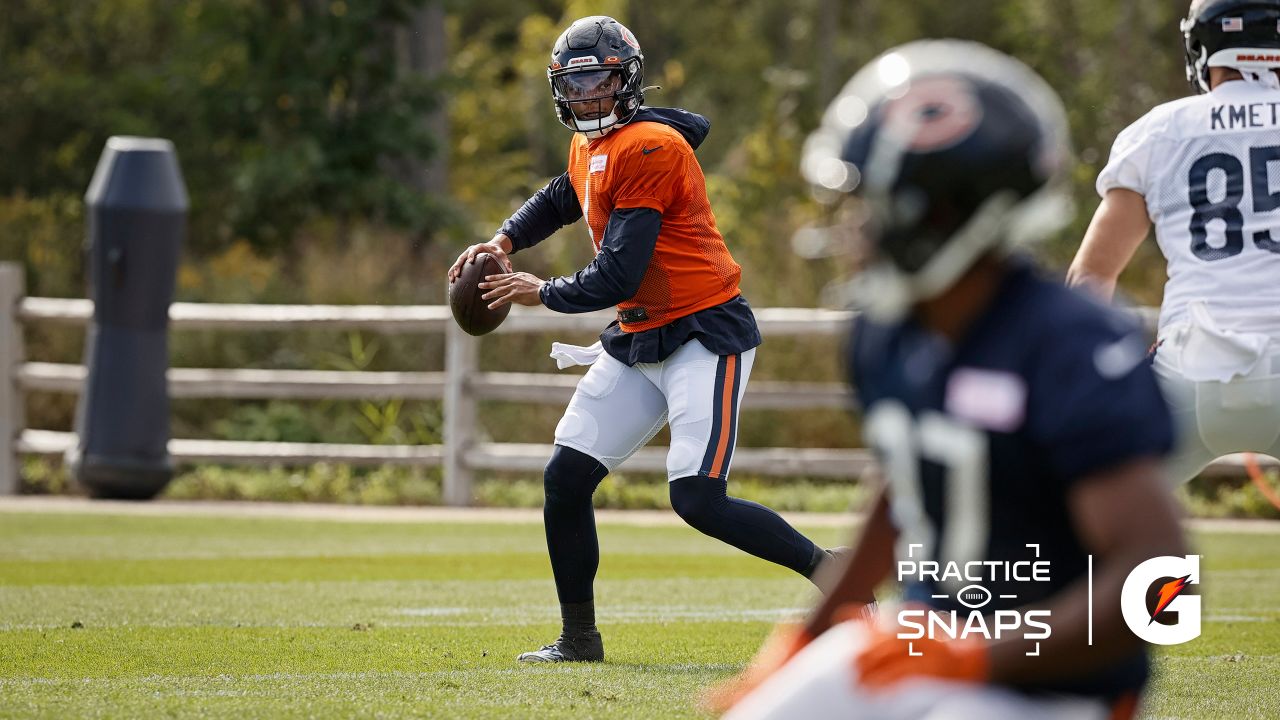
x,y
705,504
569,481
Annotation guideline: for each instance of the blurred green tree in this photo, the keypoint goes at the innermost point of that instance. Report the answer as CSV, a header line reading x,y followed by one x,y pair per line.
x,y
281,110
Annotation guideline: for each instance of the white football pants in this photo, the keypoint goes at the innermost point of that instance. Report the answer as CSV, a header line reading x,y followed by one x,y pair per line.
x,y
617,409
821,682
1214,418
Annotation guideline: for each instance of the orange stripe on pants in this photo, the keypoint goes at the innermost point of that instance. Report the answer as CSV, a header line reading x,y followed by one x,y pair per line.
x,y
726,414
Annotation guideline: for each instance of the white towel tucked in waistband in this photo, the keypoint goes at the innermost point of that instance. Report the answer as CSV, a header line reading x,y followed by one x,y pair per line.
x,y
567,355
1211,353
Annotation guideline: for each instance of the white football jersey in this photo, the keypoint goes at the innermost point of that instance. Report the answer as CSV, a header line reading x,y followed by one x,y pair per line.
x,y
1209,168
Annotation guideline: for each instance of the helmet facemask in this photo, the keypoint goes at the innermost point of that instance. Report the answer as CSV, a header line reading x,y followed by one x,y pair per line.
x,y
594,99
896,278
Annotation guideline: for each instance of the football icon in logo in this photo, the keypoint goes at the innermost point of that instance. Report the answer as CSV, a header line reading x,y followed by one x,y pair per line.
x,y
973,596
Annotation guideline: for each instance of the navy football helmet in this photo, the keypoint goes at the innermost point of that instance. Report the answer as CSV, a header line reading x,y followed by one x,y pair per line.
x,y
952,150
1240,34
595,60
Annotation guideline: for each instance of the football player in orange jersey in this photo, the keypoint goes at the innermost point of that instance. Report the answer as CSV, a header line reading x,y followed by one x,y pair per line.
x,y
681,349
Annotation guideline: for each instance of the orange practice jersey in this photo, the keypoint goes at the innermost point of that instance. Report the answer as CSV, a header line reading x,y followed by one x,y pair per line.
x,y
650,165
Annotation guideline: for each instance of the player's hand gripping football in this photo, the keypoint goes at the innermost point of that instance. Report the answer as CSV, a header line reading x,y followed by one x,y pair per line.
x,y
498,247
887,660
516,287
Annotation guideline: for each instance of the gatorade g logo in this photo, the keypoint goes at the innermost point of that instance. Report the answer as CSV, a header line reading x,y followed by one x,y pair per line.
x,y
1157,603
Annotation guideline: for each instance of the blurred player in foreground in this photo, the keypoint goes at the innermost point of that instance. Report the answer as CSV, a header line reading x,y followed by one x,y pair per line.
x,y
1206,170
682,347
1018,426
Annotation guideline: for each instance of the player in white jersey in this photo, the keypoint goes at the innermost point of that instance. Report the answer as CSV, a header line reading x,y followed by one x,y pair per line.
x,y
1206,171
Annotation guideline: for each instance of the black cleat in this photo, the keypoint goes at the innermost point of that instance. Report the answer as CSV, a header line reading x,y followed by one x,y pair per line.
x,y
583,648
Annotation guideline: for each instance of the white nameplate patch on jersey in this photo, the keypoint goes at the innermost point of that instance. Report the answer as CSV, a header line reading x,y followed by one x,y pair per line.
x,y
991,399
598,162
1251,116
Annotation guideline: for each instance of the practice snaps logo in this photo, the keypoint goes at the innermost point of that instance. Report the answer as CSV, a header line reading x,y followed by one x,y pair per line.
x,y
1158,601
971,582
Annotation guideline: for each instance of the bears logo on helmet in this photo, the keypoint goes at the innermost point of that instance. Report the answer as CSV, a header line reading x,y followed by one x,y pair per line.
x,y
934,114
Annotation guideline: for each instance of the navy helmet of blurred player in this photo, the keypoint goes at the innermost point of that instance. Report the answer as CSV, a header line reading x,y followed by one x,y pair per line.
x,y
1205,171
930,212
1015,420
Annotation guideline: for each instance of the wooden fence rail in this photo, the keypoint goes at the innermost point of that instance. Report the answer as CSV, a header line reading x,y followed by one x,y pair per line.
x,y
461,386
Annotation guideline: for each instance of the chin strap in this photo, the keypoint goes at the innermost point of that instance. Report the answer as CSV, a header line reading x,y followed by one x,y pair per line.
x,y
600,129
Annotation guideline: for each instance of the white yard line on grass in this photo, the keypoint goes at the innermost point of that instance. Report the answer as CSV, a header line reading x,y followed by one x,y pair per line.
x,y
400,514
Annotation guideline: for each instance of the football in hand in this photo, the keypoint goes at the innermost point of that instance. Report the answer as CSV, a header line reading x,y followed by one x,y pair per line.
x,y
469,309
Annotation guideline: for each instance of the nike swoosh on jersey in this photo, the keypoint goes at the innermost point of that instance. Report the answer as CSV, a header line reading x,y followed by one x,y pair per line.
x,y
646,151
1117,359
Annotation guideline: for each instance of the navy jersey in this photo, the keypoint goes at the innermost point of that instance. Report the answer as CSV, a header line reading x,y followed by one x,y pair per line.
x,y
983,440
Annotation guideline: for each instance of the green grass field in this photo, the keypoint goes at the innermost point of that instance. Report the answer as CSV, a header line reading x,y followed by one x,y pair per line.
x,y
156,616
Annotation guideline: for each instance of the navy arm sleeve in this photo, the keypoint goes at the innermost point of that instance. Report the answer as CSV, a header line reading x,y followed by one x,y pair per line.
x,y
550,209
617,270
